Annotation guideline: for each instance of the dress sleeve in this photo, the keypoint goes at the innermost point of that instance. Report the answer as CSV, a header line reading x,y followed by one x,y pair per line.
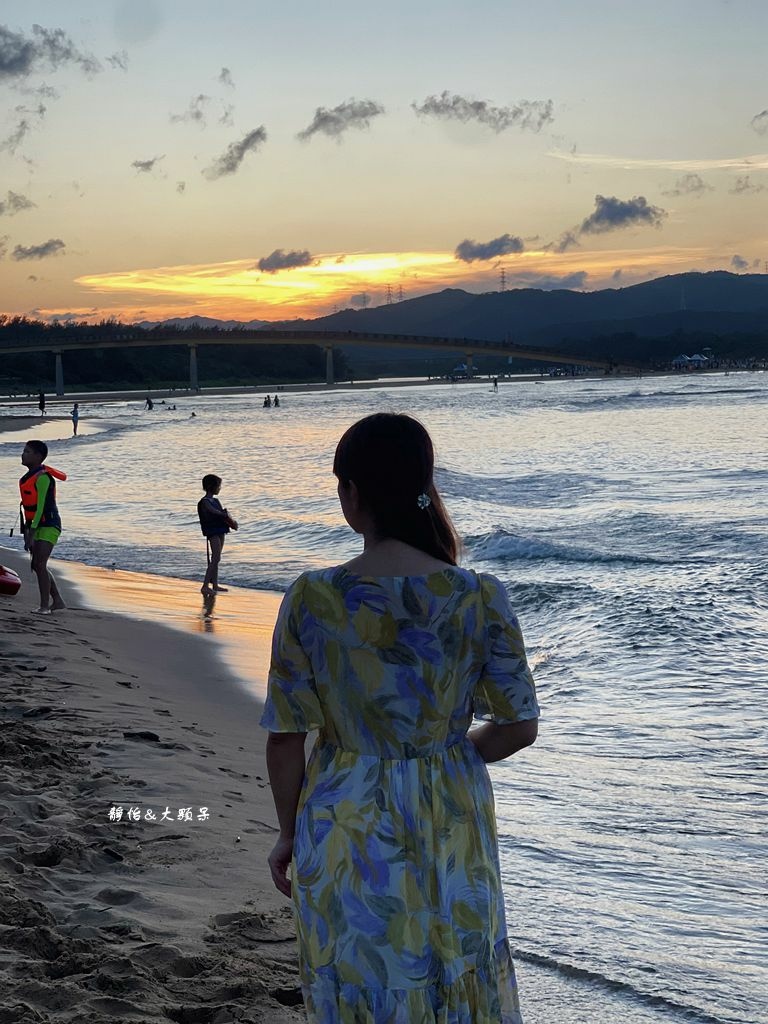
x,y
505,691
292,703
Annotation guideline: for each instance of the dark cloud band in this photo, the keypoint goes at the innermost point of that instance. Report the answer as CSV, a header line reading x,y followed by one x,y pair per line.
x,y
528,115
234,154
468,251
147,166
612,214
53,247
13,203
335,122
21,56
281,260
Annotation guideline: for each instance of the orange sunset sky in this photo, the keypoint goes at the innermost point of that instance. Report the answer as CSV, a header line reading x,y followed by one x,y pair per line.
x,y
248,162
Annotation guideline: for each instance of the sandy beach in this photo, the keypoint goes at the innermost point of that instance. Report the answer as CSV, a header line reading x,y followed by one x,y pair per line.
x,y
136,919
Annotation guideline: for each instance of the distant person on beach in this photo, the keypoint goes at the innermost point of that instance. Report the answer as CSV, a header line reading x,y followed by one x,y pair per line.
x,y
276,402
215,523
267,402
41,403
75,414
495,383
42,522
149,404
389,830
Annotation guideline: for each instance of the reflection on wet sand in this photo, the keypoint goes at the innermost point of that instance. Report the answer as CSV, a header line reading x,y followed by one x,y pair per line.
x,y
241,621
209,605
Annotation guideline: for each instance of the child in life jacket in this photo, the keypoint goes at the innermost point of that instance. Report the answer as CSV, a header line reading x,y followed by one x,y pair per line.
x,y
42,522
215,523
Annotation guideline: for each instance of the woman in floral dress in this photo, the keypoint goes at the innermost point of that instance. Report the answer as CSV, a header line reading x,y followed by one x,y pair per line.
x,y
389,829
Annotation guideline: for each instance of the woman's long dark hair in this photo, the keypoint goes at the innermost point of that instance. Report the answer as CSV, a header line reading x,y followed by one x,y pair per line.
x,y
390,459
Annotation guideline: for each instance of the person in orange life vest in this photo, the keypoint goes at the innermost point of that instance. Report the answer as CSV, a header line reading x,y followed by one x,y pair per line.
x,y
215,523
42,522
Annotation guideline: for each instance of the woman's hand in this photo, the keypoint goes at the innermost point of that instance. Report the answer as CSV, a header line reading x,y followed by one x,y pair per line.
x,y
279,861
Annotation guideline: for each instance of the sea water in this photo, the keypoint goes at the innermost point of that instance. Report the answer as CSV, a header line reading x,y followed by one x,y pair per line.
x,y
629,521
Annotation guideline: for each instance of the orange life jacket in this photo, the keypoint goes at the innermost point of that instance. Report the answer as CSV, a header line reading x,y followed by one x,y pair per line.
x,y
28,491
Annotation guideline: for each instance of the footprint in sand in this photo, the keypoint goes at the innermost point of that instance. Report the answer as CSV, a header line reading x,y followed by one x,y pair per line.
x,y
229,771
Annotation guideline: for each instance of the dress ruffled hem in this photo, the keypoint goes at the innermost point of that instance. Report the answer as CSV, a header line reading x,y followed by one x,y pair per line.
x,y
484,994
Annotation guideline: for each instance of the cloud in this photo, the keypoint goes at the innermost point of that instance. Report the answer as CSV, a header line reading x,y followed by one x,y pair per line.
x,y
17,136
759,123
281,260
689,185
53,247
547,282
361,299
26,122
14,203
31,277
743,186
225,77
568,240
530,115
195,112
233,155
43,92
119,60
21,56
739,263
736,163
226,116
147,166
612,214
469,250
3,246
181,187
333,123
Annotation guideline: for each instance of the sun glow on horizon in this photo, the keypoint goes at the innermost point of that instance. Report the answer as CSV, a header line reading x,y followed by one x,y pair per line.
x,y
237,289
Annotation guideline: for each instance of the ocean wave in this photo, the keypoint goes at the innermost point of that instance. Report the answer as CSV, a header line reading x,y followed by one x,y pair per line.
x,y
526,490
574,403
503,546
569,970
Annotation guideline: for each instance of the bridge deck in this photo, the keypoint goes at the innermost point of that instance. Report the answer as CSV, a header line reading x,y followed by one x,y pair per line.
x,y
325,339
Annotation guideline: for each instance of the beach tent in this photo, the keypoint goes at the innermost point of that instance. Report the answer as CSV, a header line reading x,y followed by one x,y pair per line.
x,y
681,361
698,360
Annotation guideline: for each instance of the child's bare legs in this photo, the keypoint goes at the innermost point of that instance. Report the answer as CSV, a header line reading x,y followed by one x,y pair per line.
x,y
41,552
211,581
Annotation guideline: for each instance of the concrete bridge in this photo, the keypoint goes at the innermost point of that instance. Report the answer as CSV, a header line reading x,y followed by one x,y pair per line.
x,y
127,338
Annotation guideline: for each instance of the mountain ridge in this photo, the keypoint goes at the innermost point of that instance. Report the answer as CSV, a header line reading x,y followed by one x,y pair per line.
x,y
537,317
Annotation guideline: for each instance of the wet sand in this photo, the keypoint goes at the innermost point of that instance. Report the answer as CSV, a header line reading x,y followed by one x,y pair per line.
x,y
10,423
140,920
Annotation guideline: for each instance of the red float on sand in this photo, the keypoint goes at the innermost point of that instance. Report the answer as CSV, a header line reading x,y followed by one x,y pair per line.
x,y
9,581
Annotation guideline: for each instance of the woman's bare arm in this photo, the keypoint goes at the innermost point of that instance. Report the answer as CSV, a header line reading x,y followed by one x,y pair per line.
x,y
495,742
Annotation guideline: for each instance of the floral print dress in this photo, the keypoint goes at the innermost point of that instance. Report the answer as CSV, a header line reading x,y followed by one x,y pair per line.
x,y
395,873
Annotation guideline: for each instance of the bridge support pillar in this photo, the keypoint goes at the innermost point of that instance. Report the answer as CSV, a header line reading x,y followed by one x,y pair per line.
x,y
468,362
329,378
193,381
59,374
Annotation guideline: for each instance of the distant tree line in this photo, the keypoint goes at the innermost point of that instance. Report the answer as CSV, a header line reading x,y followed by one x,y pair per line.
x,y
659,352
137,368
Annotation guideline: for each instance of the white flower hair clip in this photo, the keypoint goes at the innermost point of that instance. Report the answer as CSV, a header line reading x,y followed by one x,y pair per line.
x,y
423,501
